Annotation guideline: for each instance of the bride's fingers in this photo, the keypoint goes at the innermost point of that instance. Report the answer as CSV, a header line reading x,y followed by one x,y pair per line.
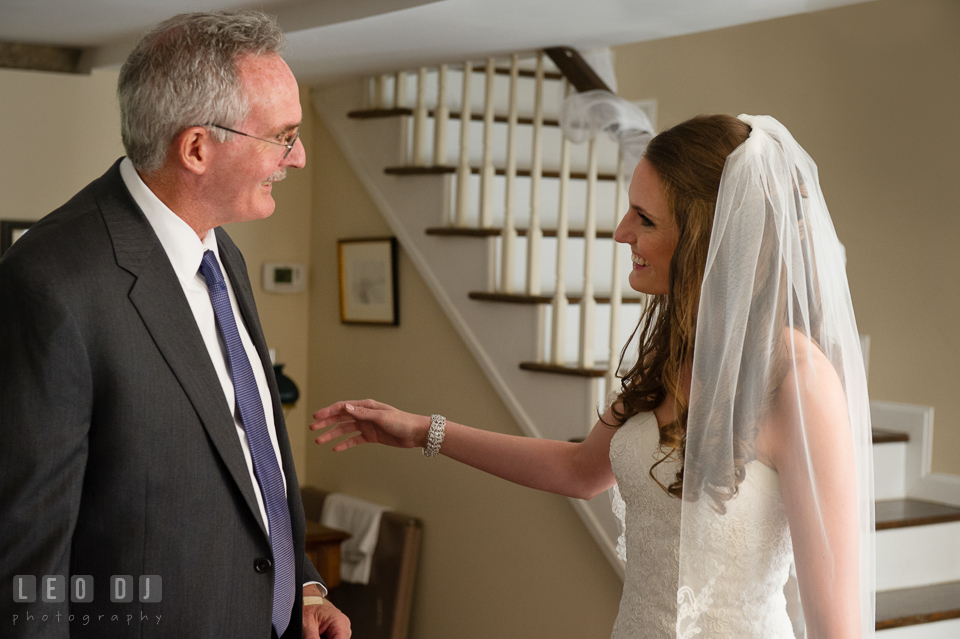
x,y
336,431
364,411
320,424
338,408
350,442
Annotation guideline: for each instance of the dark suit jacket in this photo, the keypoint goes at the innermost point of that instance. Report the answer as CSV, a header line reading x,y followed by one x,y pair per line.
x,y
118,454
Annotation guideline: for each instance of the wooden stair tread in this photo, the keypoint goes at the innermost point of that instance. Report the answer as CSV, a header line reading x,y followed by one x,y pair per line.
x,y
523,298
456,231
440,170
901,513
523,73
371,114
924,604
561,369
883,436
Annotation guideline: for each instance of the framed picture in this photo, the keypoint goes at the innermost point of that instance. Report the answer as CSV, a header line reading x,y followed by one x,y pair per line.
x,y
11,231
368,281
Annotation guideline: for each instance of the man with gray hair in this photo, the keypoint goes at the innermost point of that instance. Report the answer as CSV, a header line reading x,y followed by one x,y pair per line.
x,y
146,470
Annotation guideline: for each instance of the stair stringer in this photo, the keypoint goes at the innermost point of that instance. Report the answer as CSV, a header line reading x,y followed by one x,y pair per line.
x,y
498,335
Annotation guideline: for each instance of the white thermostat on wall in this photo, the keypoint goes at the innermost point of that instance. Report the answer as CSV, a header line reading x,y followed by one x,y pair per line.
x,y
281,277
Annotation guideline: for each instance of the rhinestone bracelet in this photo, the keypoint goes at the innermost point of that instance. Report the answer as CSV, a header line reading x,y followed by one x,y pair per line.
x,y
435,436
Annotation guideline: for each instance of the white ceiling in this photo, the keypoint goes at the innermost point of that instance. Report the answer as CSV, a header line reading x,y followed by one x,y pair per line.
x,y
334,38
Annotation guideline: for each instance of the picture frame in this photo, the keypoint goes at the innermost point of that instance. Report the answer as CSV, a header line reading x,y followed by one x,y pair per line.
x,y
11,231
369,286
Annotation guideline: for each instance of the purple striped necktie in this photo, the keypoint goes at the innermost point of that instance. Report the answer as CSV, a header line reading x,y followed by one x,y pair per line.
x,y
265,464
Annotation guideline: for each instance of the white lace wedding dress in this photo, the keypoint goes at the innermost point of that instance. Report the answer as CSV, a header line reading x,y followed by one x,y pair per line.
x,y
749,563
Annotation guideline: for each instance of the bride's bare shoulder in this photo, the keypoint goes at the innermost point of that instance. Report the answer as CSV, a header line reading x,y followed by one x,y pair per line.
x,y
809,402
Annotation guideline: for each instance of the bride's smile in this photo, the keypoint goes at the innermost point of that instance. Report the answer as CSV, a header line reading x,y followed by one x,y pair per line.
x,y
650,230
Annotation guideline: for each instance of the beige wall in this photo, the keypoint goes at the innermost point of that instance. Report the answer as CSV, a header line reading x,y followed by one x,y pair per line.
x,y
872,91
57,132
498,560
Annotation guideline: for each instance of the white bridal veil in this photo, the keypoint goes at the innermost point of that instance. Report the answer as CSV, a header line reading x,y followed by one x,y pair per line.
x,y
776,324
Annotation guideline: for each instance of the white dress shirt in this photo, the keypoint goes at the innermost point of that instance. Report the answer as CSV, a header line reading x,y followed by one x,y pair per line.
x,y
185,251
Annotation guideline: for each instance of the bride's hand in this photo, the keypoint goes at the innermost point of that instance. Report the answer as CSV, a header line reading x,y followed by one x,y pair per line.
x,y
372,422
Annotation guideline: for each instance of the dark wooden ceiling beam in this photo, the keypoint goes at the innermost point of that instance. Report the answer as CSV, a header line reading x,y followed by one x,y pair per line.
x,y
39,57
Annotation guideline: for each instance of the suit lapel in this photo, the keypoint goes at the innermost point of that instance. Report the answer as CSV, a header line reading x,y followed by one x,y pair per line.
x,y
159,299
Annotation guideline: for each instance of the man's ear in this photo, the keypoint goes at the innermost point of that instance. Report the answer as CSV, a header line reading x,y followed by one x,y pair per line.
x,y
193,149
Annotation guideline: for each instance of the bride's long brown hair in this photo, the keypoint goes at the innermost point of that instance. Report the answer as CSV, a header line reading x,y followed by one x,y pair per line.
x,y
688,158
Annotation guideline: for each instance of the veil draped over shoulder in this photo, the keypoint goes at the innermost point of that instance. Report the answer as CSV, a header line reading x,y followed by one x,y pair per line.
x,y
777,353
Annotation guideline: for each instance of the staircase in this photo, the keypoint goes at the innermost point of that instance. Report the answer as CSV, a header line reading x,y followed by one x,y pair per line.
x,y
511,228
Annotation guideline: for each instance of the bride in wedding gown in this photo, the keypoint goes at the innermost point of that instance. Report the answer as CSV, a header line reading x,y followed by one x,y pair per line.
x,y
739,444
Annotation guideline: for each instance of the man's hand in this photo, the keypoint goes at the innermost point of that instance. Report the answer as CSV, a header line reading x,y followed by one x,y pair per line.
x,y
323,620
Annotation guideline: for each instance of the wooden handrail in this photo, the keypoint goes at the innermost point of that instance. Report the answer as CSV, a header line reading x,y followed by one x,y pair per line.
x,y
575,69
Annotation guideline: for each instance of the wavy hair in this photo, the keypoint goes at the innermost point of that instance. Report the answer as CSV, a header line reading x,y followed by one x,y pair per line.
x,y
689,159
185,72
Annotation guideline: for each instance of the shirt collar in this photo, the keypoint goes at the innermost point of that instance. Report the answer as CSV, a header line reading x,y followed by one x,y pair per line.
x,y
183,247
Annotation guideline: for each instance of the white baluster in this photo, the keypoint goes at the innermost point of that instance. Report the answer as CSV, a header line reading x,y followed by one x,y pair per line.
x,y
535,234
541,333
588,304
420,119
399,90
399,102
560,288
487,171
441,116
380,92
463,164
509,233
615,291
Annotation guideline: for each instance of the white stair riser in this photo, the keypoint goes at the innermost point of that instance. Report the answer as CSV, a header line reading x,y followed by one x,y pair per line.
x,y
949,629
889,470
918,556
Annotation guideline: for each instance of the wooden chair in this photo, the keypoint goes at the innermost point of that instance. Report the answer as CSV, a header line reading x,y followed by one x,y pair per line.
x,y
381,608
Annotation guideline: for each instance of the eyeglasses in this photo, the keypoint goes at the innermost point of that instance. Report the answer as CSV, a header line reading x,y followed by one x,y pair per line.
x,y
289,145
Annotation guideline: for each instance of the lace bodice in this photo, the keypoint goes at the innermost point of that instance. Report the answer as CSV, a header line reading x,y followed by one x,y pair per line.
x,y
746,563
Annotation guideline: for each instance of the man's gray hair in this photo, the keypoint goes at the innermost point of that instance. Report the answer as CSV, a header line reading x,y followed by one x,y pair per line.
x,y
185,72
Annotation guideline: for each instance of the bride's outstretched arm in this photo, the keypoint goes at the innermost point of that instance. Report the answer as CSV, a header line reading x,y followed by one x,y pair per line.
x,y
572,469
810,444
